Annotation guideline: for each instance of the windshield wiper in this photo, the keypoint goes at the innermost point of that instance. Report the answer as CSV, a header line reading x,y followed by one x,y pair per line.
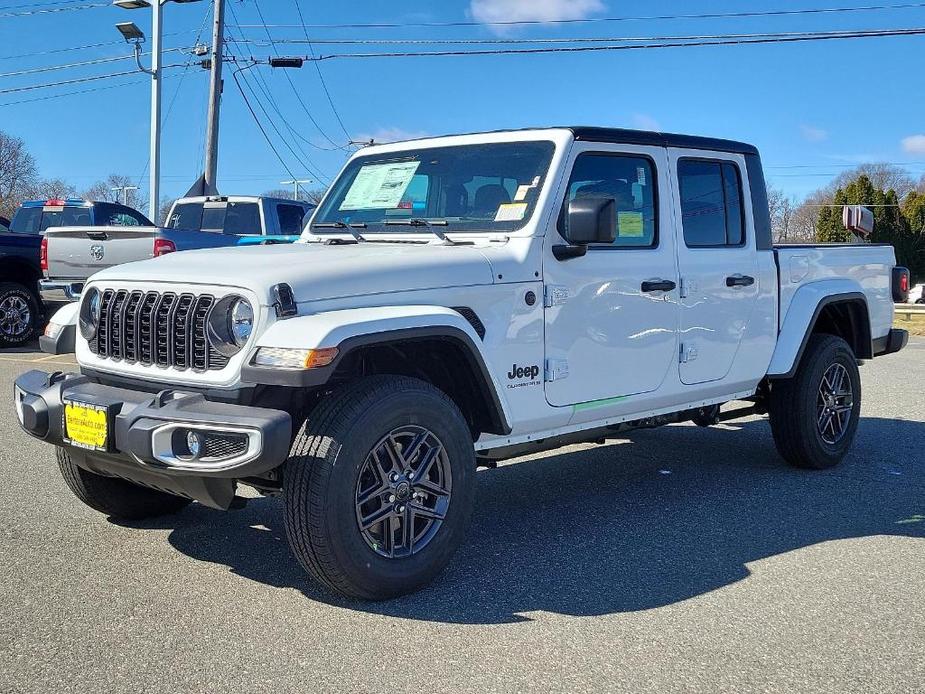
x,y
431,226
350,228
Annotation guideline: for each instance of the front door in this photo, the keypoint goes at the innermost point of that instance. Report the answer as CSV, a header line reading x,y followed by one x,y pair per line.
x,y
612,315
718,262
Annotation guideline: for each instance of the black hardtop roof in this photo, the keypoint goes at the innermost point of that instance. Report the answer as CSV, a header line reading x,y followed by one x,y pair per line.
x,y
625,136
646,137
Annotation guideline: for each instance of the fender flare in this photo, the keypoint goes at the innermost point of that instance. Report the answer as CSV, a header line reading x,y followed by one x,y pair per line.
x,y
797,325
352,329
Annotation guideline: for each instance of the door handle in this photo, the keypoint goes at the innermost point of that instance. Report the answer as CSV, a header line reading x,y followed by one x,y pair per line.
x,y
740,281
658,286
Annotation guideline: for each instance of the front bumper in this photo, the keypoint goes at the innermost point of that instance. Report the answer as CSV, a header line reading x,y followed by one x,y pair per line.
x,y
54,291
142,429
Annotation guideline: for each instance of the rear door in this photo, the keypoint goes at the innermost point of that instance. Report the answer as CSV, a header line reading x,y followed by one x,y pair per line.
x,y
718,261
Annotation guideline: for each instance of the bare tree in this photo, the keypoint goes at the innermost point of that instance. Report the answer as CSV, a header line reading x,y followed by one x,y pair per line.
x,y
882,175
781,208
313,196
50,188
17,173
111,190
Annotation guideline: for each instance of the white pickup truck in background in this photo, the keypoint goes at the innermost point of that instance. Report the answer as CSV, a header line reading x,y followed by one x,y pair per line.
x,y
454,302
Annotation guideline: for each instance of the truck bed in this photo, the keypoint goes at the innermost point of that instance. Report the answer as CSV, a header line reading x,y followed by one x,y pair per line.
x,y
870,265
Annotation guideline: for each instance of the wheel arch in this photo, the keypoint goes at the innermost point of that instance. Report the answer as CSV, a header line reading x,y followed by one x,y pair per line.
x,y
818,310
437,344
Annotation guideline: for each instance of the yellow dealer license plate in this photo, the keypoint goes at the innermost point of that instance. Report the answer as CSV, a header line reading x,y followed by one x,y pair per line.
x,y
86,426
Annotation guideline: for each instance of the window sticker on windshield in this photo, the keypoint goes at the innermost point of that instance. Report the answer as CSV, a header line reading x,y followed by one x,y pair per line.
x,y
629,225
523,190
379,186
511,212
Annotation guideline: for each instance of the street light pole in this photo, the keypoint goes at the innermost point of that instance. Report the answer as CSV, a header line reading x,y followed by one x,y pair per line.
x,y
296,183
154,179
124,190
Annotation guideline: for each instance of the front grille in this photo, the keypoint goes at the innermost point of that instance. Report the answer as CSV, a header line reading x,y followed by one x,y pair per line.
x,y
154,328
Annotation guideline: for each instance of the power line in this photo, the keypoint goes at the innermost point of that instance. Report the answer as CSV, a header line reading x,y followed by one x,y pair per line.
x,y
578,39
76,80
762,39
71,93
257,122
324,85
293,87
82,63
67,49
593,20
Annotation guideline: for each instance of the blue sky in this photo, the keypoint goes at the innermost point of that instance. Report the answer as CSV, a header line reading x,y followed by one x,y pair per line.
x,y
814,109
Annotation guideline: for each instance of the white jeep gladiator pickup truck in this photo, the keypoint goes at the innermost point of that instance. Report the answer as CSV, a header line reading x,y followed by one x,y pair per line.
x,y
453,302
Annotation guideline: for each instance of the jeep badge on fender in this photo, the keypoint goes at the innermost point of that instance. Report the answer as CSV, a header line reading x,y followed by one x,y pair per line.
x,y
530,372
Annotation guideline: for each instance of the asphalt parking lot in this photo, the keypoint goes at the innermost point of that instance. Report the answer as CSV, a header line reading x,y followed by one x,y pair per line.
x,y
683,559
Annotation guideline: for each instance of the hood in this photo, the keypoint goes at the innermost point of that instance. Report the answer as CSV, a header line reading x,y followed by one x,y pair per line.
x,y
316,271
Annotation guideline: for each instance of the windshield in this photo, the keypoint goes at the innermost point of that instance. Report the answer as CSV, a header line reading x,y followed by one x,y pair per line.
x,y
483,187
34,220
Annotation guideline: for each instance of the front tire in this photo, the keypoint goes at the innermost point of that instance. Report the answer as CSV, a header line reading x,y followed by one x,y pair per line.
x,y
814,415
19,314
116,497
379,487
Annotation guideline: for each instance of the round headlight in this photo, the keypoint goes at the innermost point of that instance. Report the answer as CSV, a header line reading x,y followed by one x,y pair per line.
x,y
231,323
89,319
242,322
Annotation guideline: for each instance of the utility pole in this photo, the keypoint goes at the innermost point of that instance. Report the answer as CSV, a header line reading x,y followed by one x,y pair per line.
x,y
215,96
124,190
296,183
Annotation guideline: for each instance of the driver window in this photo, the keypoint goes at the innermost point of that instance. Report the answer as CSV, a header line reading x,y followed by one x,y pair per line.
x,y
630,181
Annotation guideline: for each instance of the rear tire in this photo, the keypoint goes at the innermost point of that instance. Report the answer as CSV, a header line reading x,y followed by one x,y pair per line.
x,y
814,415
19,314
116,497
373,440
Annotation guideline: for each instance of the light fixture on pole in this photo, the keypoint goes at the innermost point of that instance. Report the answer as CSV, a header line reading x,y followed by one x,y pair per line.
x,y
132,33
296,183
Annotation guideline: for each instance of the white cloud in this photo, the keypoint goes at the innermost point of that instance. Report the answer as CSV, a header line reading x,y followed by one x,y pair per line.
x,y
644,121
532,10
914,144
391,134
813,134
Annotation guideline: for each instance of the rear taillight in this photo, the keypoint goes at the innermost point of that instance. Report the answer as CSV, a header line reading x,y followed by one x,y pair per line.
x,y
163,247
900,284
43,254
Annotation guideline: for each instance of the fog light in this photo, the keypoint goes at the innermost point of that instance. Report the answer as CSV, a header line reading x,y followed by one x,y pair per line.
x,y
193,443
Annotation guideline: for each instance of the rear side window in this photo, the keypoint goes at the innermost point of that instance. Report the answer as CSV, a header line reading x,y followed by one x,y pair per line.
x,y
187,215
712,212
242,218
630,181
290,218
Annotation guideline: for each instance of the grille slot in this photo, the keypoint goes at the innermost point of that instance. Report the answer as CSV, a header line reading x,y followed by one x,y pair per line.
x,y
164,329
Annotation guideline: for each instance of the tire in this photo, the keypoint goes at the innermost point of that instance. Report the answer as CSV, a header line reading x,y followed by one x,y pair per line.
x,y
807,432
331,465
116,497
19,314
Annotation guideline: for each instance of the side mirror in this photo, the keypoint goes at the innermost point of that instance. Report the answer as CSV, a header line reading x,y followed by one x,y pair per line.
x,y
588,220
